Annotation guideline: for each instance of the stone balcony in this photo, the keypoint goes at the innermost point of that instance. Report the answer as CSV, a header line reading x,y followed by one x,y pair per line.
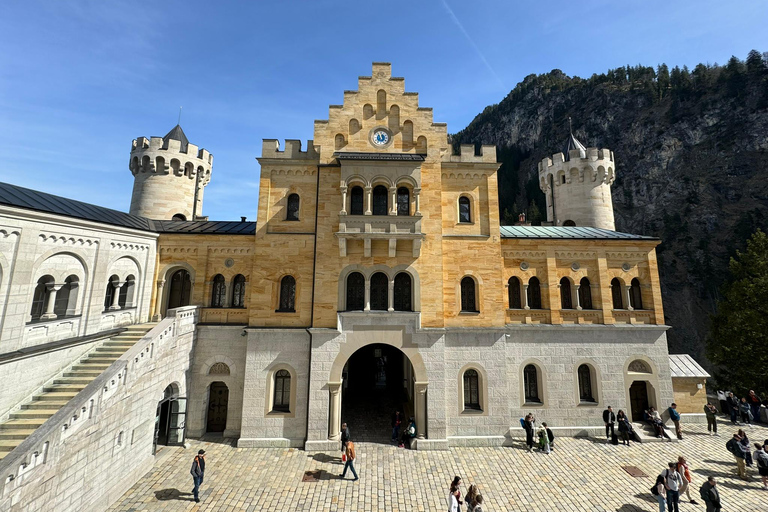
x,y
581,316
634,316
224,316
528,316
380,227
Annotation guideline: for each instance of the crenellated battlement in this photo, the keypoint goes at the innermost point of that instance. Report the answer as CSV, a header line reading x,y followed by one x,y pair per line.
x,y
589,157
270,148
144,144
467,154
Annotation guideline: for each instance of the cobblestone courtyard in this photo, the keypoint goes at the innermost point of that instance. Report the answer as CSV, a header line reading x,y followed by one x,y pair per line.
x,y
581,474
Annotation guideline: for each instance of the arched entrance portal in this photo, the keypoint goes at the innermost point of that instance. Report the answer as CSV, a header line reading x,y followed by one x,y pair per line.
x,y
218,402
377,380
638,399
170,419
181,286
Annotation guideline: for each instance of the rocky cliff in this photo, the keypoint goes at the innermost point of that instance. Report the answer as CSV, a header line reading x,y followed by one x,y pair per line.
x,y
692,164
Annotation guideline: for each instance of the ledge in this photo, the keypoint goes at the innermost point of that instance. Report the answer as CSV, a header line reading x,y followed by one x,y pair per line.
x,y
54,346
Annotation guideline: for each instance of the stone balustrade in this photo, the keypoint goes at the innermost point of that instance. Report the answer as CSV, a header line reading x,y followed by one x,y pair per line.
x,y
380,227
236,316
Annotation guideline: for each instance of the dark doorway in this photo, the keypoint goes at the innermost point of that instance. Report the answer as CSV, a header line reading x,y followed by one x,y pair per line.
x,y
377,381
218,401
181,285
170,420
638,399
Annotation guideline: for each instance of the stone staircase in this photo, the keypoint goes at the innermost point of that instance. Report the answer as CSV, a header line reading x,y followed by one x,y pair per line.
x,y
66,386
644,433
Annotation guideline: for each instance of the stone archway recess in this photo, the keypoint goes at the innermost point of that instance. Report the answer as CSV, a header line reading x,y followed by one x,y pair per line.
x,y
360,339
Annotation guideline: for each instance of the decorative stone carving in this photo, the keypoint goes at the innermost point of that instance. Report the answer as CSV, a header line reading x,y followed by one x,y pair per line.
x,y
639,366
219,369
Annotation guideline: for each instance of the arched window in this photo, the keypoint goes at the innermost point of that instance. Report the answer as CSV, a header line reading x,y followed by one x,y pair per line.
x,y
181,285
636,295
238,291
403,292
569,223
380,200
468,295
618,303
40,297
287,295
585,384
531,384
471,390
514,293
403,201
179,216
282,397
381,103
219,369
355,292
356,201
219,291
109,296
465,214
339,141
293,207
534,293
126,292
379,291
66,298
585,294
565,294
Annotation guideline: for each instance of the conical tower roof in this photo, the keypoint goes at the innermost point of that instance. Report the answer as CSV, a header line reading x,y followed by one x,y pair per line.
x,y
573,143
176,134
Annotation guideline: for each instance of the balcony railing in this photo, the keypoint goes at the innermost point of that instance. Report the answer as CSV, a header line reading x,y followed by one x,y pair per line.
x,y
637,316
581,316
224,316
380,227
528,316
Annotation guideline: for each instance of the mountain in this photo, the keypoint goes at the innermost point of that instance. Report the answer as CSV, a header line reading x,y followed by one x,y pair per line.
x,y
691,149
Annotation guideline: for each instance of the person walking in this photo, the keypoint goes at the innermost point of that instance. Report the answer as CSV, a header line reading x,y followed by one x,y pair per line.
x,y
543,438
350,464
672,482
682,468
478,504
745,411
754,404
711,412
733,407
609,418
469,499
675,417
455,495
550,436
737,449
744,440
711,496
344,437
660,491
761,458
397,420
528,423
625,427
198,472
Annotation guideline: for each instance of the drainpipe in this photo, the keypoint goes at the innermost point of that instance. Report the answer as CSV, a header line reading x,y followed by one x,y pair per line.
x,y
312,305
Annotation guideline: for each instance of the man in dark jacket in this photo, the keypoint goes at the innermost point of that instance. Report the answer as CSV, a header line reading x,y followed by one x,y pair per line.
x,y
609,418
710,495
733,407
344,437
397,420
675,417
198,471
736,447
754,404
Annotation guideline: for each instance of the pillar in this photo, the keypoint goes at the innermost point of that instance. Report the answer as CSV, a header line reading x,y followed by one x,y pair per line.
x,y
393,196
158,300
51,301
343,201
525,296
627,297
416,194
367,295
391,295
334,418
368,201
577,300
116,295
421,409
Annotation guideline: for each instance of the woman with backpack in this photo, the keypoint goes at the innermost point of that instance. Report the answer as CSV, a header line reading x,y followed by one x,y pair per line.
x,y
761,457
682,468
625,428
660,492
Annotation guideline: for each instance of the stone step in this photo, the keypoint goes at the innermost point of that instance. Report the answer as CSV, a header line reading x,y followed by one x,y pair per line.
x,y
22,424
645,434
84,373
44,405
108,351
64,387
55,396
73,380
7,446
18,434
91,366
34,413
99,360
119,344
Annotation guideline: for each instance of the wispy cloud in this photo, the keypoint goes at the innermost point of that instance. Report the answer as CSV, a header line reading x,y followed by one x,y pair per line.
x,y
472,42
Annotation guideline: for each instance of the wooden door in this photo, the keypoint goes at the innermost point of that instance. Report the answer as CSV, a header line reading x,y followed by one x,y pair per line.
x,y
638,398
218,402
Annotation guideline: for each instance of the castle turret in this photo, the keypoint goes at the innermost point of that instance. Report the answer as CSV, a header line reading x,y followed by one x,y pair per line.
x,y
577,184
169,177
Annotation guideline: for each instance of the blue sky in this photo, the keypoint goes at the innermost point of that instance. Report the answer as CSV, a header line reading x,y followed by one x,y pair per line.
x,y
79,80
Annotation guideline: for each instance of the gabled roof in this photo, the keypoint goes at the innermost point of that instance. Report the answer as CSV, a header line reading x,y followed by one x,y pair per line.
x,y
568,232
176,133
683,365
205,227
573,143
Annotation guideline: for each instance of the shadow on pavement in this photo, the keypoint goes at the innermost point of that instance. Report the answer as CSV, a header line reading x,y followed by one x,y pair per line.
x,y
326,459
173,494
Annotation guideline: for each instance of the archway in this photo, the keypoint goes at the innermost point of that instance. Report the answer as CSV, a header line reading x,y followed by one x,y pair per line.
x,y
638,399
377,380
170,419
218,403
181,285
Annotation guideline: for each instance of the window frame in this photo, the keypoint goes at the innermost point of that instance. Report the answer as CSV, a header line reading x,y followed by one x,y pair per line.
x,y
376,200
636,294
218,291
380,293
586,370
534,293
353,198
357,294
514,295
585,294
403,201
399,296
465,217
286,298
238,291
292,207
617,294
464,295
281,406
530,399
467,379
566,294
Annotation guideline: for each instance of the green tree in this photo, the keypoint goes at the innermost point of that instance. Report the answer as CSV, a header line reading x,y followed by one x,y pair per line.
x,y
738,341
534,214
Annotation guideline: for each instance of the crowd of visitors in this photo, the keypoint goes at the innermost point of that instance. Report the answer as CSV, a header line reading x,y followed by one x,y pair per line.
x,y
473,499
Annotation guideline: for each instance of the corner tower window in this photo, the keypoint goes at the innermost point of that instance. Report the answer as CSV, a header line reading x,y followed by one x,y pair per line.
x,y
514,293
293,207
565,294
636,295
465,214
618,303
585,294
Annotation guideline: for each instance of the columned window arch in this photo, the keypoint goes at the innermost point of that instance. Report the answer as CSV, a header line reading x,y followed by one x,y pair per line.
x,y
355,292
356,201
403,292
566,301
380,202
379,291
636,295
238,291
513,292
125,300
616,295
293,207
472,390
66,298
219,291
468,295
403,201
532,393
287,295
585,294
586,384
465,210
534,293
281,398
181,286
40,297
109,296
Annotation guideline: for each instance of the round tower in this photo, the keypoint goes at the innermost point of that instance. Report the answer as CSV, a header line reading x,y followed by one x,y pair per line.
x,y
169,177
577,184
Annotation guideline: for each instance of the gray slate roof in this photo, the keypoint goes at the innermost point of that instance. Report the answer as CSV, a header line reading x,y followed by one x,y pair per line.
x,y
571,144
683,365
176,133
568,232
205,227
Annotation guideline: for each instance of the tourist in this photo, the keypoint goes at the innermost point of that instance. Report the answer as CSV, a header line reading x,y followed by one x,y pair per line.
x,y
609,418
711,412
744,440
711,496
543,438
625,427
455,495
682,468
733,407
408,433
657,422
672,482
761,458
478,507
745,411
754,404
469,499
396,421
737,449
198,472
344,437
675,417
660,491
550,436
528,424
350,460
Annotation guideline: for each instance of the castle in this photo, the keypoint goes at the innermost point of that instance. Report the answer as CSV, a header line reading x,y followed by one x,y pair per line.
x,y
377,276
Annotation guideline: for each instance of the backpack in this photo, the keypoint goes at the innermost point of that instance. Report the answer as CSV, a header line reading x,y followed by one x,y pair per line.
x,y
762,459
730,445
704,493
655,490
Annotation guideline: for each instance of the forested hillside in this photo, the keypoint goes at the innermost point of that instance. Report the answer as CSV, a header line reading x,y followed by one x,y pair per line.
x,y
691,148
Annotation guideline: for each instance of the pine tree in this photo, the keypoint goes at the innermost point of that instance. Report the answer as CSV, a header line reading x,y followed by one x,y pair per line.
x,y
738,341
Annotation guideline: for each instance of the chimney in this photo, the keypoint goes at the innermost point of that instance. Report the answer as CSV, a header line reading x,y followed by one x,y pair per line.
x,y
242,219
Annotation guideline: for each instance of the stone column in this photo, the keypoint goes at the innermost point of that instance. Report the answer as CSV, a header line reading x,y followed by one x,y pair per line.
x,y
343,201
627,297
393,195
367,295
391,295
116,295
416,194
421,409
577,300
49,305
368,201
525,297
334,418
158,300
